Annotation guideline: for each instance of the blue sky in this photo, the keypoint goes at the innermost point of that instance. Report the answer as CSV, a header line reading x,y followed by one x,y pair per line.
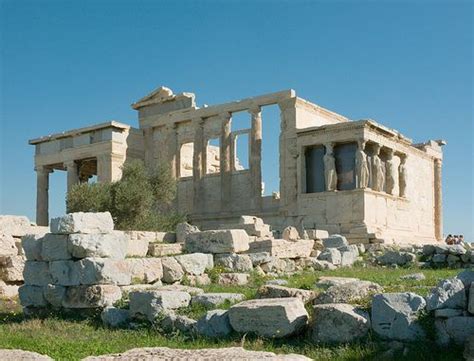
x,y
67,64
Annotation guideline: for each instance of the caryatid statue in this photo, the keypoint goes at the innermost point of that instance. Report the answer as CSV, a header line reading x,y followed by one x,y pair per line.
x,y
403,176
391,173
330,174
378,172
362,166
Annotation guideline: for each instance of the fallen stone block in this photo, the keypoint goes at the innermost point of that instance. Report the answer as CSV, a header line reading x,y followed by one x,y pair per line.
x,y
36,273
83,222
32,246
328,281
173,322
182,231
284,249
338,323
414,277
275,291
291,234
32,296
209,354
94,296
214,323
7,245
271,317
216,299
104,271
396,257
65,273
11,355
196,263
331,255
239,279
394,316
317,234
352,292
218,241
172,270
202,280
454,329
16,226
277,265
167,237
164,249
319,265
106,245
8,290
182,288
55,247
234,262
449,293
114,317
145,270
335,241
54,295
12,268
259,258
137,247
151,237
150,304
466,277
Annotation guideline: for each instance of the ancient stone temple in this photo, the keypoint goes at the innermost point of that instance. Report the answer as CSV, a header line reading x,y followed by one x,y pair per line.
x,y
357,178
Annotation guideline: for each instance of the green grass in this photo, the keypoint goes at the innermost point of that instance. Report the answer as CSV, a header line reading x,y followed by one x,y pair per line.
x,y
69,337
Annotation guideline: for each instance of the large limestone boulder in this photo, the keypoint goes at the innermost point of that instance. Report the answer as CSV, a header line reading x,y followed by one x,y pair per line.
x,y
291,234
218,241
36,273
254,226
8,290
196,263
16,226
454,329
317,234
146,270
338,323
466,277
183,230
137,247
271,317
398,258
95,296
55,247
83,222
449,293
351,292
54,295
32,246
32,296
65,273
260,258
210,354
233,279
114,317
172,322
164,249
331,255
12,268
172,270
107,245
150,304
104,271
20,355
234,262
7,245
394,315
328,281
335,241
275,291
216,299
284,249
214,323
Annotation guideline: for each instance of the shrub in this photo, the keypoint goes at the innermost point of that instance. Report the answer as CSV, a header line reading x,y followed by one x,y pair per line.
x,y
141,200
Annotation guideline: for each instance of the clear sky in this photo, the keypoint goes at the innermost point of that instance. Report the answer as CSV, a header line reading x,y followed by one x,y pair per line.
x,y
67,64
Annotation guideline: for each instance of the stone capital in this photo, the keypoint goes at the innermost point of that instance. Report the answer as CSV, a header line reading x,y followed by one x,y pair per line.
x,y
255,111
41,169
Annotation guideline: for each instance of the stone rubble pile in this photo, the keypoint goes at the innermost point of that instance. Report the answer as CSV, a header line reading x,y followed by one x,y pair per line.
x,y
12,259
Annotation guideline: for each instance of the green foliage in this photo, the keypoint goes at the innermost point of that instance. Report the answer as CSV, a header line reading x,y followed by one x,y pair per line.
x,y
140,200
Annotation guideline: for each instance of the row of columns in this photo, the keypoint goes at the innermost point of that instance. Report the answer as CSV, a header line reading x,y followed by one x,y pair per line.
x,y
108,170
225,153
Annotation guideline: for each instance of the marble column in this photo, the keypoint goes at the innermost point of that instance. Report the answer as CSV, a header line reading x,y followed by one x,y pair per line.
x,y
391,173
225,161
199,150
378,173
173,150
438,200
362,166
256,158
109,167
72,174
402,176
42,195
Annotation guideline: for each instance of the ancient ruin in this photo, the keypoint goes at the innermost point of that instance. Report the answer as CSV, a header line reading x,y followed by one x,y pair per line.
x,y
355,178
